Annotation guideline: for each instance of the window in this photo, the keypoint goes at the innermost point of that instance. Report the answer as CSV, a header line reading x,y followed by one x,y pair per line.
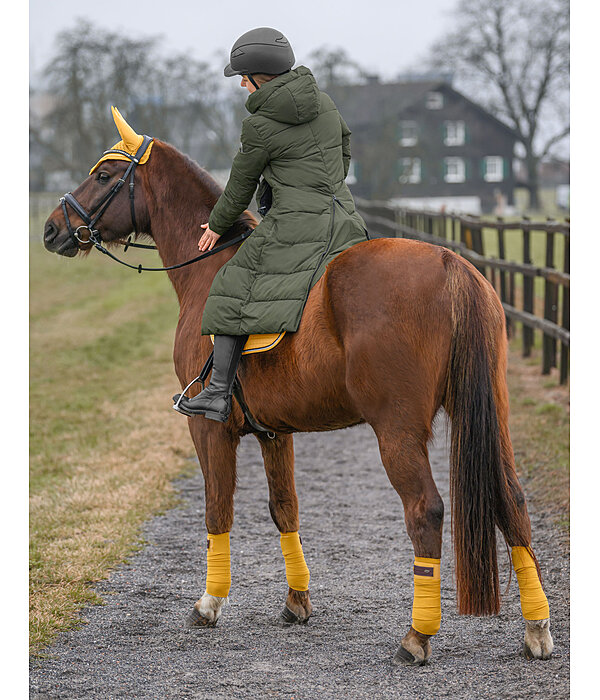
x,y
493,168
434,100
351,176
454,170
408,133
410,170
454,133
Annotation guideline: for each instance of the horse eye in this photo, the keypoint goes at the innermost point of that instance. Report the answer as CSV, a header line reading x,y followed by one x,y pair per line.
x,y
103,177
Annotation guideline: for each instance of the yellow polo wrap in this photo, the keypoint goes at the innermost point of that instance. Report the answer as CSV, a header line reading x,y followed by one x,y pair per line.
x,y
296,571
427,601
534,604
218,565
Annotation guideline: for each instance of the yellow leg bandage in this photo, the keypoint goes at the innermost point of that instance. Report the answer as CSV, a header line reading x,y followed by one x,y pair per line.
x,y
218,565
427,602
534,603
296,571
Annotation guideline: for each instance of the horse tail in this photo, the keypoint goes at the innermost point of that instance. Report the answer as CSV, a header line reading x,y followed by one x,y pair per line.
x,y
480,492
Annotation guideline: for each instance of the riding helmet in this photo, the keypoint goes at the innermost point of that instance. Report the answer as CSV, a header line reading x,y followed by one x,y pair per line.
x,y
262,50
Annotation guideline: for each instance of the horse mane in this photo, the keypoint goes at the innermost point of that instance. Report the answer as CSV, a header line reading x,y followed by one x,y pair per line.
x,y
212,190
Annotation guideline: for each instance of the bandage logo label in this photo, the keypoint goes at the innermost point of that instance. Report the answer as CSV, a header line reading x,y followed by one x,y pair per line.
x,y
423,570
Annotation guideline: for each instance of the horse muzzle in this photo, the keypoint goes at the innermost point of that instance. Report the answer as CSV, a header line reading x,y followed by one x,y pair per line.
x,y
57,241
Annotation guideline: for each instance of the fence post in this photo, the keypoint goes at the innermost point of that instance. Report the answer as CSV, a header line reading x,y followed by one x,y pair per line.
x,y
511,300
502,273
550,308
527,292
566,314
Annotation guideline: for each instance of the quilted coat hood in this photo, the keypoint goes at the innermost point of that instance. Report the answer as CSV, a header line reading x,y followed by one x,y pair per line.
x,y
291,98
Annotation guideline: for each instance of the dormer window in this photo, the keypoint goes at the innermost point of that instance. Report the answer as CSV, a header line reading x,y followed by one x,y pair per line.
x,y
408,133
454,133
434,100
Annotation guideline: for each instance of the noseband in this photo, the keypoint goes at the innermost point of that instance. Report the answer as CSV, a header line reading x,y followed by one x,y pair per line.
x,y
91,218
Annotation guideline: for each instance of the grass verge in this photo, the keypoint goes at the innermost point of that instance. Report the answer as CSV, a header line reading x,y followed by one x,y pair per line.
x,y
539,425
104,443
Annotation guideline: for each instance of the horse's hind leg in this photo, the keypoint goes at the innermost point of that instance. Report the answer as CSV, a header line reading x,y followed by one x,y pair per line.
x,y
278,455
513,521
216,446
405,458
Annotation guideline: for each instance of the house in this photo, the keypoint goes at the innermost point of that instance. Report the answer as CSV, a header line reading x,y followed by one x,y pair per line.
x,y
422,144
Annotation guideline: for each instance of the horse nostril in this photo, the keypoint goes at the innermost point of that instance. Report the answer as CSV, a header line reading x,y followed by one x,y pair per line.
x,y
50,232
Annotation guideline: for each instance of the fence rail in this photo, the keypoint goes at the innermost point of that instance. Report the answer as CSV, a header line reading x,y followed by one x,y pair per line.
x,y
465,235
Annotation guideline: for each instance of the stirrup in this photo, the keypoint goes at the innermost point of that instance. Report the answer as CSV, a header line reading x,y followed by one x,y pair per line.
x,y
200,378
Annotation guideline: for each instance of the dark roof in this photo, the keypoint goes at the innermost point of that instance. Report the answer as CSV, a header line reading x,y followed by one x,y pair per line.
x,y
373,103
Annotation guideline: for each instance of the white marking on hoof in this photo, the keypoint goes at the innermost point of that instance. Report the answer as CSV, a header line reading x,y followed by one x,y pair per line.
x,y
209,606
538,641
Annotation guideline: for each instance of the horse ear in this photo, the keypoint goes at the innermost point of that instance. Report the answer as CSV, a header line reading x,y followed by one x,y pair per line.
x,y
131,140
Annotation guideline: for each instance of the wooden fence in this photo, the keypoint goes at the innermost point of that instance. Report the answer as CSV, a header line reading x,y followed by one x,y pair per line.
x,y
547,312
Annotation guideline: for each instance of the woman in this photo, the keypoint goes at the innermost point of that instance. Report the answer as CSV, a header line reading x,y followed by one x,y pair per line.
x,y
296,139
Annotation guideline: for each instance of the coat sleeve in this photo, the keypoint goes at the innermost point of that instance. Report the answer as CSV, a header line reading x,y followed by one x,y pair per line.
x,y
246,169
345,145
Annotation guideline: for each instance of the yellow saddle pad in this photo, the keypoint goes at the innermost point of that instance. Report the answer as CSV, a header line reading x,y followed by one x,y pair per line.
x,y
259,342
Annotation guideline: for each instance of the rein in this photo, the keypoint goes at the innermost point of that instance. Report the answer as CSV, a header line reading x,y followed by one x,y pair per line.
x,y
91,218
98,245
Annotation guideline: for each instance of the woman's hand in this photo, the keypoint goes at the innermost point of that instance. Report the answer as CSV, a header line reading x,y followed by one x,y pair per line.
x,y
208,239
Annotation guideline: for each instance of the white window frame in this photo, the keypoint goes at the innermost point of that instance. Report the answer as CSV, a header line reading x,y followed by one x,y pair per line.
x,y
495,173
454,133
412,139
434,100
458,164
411,170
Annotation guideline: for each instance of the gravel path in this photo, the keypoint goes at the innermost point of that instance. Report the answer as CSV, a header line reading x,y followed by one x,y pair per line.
x,y
360,560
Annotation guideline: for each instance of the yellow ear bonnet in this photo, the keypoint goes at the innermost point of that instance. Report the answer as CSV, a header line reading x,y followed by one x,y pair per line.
x,y
130,142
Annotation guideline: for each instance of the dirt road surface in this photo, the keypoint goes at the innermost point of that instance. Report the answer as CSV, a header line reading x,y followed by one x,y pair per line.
x,y
360,560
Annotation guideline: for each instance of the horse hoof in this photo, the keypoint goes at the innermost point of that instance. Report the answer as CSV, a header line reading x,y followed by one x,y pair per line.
x,y
403,656
288,617
414,650
538,640
195,620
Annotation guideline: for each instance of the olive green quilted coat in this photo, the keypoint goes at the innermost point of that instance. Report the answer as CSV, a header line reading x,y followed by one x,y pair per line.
x,y
296,139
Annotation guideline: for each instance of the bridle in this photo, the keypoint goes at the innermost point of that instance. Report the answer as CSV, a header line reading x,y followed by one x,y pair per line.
x,y
90,218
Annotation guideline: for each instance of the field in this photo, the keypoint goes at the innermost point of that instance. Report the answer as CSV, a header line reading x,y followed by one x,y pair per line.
x,y
105,444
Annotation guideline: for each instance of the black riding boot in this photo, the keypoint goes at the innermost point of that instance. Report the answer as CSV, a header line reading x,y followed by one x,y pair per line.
x,y
215,401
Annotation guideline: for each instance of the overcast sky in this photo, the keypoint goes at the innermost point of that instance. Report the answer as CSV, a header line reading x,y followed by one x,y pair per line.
x,y
383,36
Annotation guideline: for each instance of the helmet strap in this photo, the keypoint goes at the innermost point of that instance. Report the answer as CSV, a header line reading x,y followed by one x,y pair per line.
x,y
251,79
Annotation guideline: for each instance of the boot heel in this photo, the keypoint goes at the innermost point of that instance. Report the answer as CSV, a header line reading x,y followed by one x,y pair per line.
x,y
214,416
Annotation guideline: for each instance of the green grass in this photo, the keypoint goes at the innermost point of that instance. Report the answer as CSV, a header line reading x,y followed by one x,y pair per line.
x,y
104,445
540,432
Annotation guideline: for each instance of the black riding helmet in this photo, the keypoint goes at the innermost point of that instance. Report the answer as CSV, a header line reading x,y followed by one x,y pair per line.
x,y
262,50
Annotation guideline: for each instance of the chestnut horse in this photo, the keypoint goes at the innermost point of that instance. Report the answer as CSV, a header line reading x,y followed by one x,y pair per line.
x,y
394,330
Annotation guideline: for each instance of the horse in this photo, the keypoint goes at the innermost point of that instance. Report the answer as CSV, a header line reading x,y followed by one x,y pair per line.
x,y
393,331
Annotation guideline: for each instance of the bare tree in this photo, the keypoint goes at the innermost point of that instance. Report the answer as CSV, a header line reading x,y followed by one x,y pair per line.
x,y
513,56
335,67
175,98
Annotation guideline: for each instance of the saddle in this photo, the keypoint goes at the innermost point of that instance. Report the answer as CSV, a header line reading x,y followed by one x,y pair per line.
x,y
259,342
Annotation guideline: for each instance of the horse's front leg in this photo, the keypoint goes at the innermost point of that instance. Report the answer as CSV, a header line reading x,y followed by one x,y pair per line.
x,y
216,446
278,455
